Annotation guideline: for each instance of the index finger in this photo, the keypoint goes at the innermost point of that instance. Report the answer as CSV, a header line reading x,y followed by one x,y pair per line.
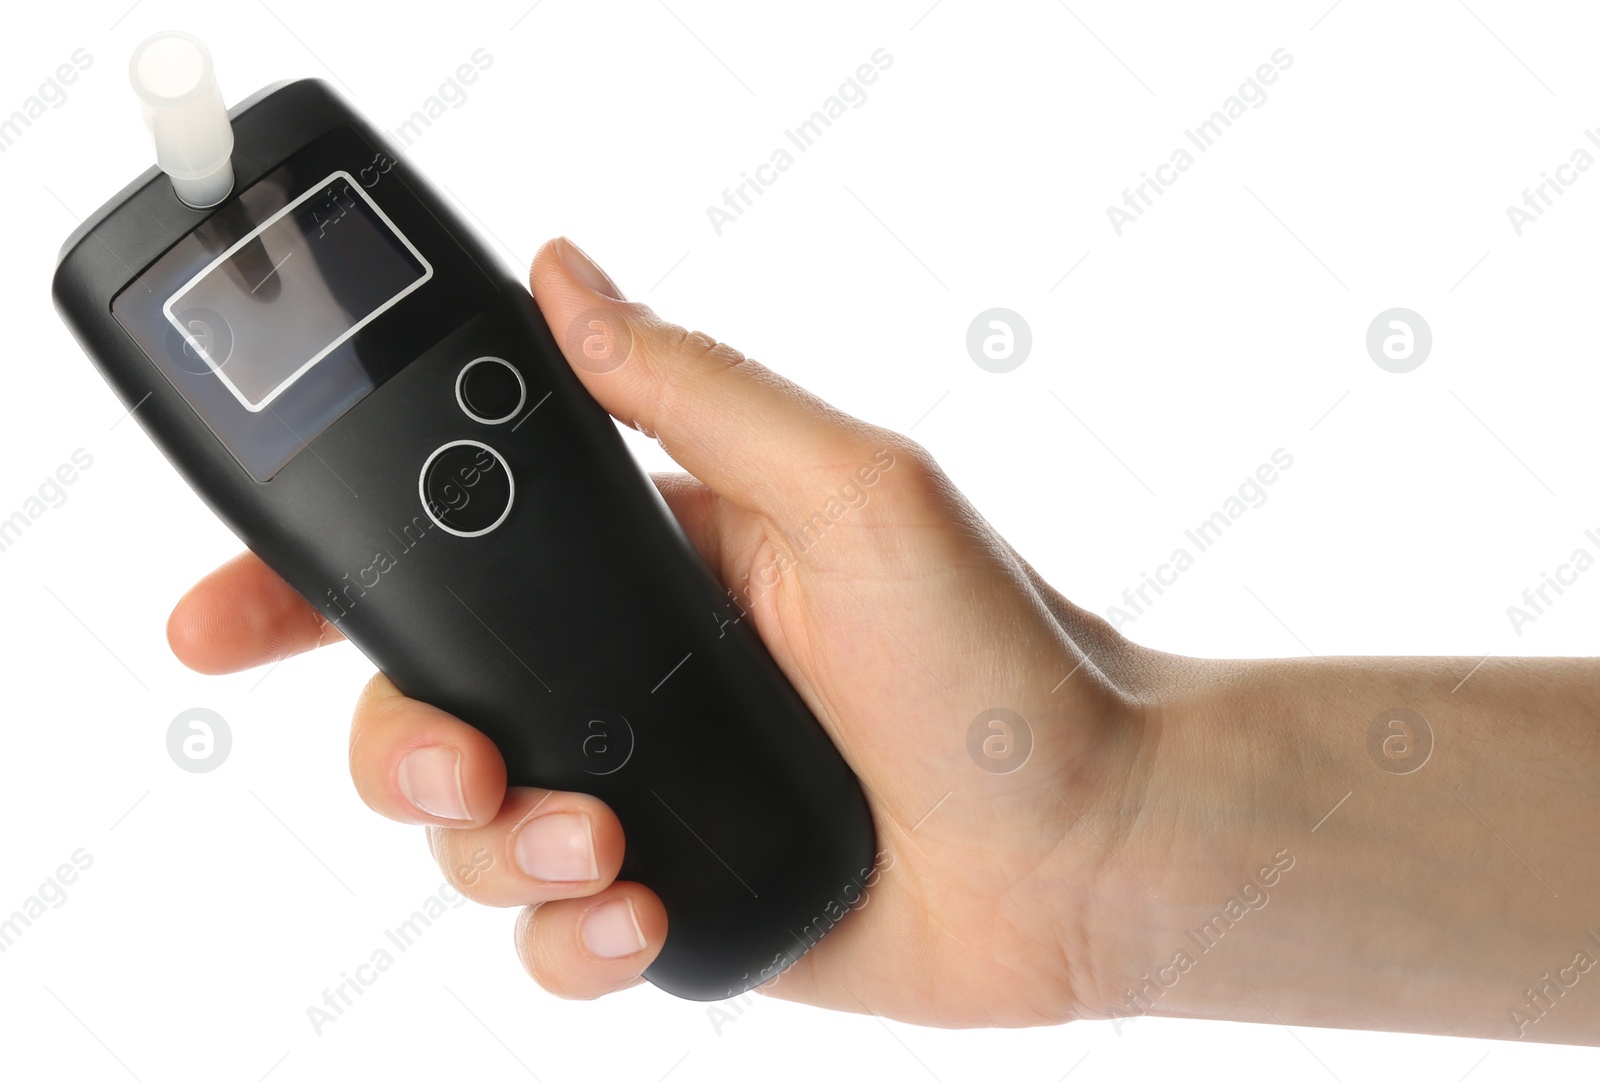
x,y
243,615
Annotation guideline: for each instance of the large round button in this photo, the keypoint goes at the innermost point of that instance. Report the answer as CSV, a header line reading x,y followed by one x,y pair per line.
x,y
466,488
490,390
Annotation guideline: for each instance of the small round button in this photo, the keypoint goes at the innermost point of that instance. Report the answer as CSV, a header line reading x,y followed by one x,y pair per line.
x,y
490,390
466,488
602,739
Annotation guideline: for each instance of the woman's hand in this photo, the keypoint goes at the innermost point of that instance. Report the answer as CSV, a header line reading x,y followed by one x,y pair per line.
x,y
901,621
1144,834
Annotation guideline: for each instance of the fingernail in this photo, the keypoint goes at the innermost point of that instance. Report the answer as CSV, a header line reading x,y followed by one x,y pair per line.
x,y
584,270
431,780
557,847
611,930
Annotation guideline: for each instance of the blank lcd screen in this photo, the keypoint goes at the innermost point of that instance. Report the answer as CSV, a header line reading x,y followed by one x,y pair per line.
x,y
295,288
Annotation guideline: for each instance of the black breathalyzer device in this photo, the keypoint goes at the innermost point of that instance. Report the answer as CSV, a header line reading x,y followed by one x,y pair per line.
x,y
333,360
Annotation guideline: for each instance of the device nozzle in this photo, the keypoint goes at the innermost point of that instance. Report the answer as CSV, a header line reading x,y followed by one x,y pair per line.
x,y
173,75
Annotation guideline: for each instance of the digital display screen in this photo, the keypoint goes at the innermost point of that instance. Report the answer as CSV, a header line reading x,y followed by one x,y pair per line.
x,y
282,309
296,298
286,295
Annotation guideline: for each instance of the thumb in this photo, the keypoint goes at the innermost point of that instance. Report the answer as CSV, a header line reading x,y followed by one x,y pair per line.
x,y
760,441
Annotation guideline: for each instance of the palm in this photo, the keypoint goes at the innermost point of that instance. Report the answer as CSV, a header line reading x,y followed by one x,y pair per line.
x,y
880,627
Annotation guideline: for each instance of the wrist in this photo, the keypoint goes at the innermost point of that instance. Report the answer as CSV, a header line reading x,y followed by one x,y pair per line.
x,y
1429,887
1212,820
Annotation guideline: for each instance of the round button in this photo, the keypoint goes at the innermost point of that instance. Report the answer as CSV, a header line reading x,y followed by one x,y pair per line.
x,y
490,390
466,488
603,741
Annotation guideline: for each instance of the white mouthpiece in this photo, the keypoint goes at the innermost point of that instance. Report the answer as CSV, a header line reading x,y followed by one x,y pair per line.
x,y
172,73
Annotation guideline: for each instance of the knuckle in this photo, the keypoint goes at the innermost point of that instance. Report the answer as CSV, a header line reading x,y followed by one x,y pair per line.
x,y
676,341
466,869
910,479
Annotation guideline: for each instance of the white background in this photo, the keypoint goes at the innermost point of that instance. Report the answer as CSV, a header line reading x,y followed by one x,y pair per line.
x,y
1228,322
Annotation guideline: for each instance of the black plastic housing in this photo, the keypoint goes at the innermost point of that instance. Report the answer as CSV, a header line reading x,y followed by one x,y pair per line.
x,y
585,606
